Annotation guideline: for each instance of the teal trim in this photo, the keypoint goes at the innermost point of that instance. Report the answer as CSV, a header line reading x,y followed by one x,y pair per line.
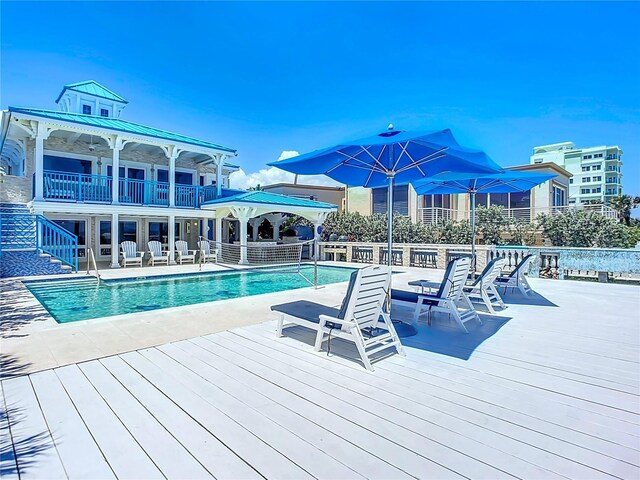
x,y
118,125
91,87
260,197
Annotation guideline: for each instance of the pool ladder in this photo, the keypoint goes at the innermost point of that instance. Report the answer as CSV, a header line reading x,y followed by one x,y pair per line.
x,y
91,258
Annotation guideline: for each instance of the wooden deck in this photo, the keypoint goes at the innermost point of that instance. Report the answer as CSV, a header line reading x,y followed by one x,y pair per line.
x,y
534,393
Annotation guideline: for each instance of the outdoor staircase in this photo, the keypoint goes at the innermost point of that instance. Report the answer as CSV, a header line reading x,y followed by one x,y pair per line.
x,y
19,252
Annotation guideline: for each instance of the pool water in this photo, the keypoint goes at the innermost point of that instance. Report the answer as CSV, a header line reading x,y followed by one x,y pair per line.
x,y
83,299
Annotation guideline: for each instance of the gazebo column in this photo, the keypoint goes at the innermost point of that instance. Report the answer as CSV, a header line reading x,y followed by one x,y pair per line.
x,y
243,214
115,235
255,224
172,239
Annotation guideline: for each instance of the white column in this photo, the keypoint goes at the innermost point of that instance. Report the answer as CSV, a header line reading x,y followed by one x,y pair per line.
x,y
316,237
218,231
172,178
219,164
204,227
255,223
39,166
172,239
115,247
243,240
115,172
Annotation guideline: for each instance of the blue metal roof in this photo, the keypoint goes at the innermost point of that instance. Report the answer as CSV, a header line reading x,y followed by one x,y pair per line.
x,y
118,125
260,197
91,87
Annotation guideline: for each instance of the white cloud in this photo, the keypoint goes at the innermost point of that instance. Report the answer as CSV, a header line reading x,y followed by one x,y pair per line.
x,y
271,175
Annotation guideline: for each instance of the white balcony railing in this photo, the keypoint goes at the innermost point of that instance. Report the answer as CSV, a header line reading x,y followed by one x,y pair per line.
x,y
431,215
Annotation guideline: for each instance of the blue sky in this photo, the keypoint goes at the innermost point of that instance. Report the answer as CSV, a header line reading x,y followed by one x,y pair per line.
x,y
268,77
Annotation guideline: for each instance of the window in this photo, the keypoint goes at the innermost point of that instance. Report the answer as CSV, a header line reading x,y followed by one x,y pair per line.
x,y
585,191
104,112
598,178
400,200
159,231
520,199
67,165
559,196
162,175
586,169
500,199
597,155
77,227
184,178
596,190
86,109
482,199
586,179
438,201
537,160
586,157
596,167
127,232
612,180
571,180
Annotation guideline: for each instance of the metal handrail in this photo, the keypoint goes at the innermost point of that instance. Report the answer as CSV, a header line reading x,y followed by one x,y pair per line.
x,y
92,258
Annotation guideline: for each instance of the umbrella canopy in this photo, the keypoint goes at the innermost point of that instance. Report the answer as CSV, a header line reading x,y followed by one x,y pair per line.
x,y
506,181
402,156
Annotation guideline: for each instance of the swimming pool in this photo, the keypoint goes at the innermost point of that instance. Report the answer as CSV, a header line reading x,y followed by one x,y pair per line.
x,y
82,299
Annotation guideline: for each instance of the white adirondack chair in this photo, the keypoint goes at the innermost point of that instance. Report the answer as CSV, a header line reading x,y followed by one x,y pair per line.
x,y
449,299
483,289
206,252
361,319
517,279
129,254
183,252
156,253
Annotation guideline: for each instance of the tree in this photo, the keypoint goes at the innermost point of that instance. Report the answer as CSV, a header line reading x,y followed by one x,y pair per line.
x,y
580,228
623,205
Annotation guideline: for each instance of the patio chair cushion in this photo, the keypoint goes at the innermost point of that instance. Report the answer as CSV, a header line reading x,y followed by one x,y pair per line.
x,y
306,310
347,297
410,297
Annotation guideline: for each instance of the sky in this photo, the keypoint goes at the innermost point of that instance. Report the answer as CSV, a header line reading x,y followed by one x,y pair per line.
x,y
272,79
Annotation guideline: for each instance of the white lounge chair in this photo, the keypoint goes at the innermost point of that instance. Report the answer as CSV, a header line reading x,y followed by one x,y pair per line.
x,y
156,253
517,279
483,288
206,252
183,252
361,319
129,254
450,297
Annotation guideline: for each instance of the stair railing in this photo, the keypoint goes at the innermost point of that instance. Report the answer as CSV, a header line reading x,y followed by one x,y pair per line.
x,y
56,241
91,258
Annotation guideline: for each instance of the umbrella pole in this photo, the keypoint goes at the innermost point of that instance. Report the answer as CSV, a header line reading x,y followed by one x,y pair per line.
x,y
389,219
473,233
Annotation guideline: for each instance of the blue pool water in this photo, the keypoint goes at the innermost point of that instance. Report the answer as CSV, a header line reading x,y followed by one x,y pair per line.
x,y
82,299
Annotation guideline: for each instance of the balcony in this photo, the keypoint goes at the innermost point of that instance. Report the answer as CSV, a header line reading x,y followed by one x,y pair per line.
x,y
83,188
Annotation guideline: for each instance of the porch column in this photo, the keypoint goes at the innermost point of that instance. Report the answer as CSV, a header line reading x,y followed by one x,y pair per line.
x,y
41,135
204,228
115,171
219,163
172,176
172,239
115,248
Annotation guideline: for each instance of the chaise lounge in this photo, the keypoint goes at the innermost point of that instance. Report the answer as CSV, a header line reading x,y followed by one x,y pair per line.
x,y
361,319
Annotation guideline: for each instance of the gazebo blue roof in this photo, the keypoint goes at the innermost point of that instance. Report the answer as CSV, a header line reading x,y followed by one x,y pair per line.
x,y
118,125
91,87
262,198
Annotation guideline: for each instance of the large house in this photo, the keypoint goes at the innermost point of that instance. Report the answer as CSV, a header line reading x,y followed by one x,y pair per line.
x,y
597,171
105,180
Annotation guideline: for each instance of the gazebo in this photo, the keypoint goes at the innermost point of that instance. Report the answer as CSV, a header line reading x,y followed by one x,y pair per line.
x,y
247,207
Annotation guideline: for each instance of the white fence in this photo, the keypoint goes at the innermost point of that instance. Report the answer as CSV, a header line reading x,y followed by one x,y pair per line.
x,y
431,215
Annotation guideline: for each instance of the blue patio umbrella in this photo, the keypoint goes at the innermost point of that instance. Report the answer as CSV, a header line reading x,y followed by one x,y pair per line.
x,y
393,156
506,181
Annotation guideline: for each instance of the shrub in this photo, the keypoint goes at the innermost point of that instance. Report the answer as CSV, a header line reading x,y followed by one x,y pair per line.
x,y
491,223
579,228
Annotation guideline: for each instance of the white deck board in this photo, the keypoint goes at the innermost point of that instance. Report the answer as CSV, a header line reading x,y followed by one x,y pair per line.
x,y
262,457
78,451
509,455
542,390
222,462
507,436
8,464
36,453
125,456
